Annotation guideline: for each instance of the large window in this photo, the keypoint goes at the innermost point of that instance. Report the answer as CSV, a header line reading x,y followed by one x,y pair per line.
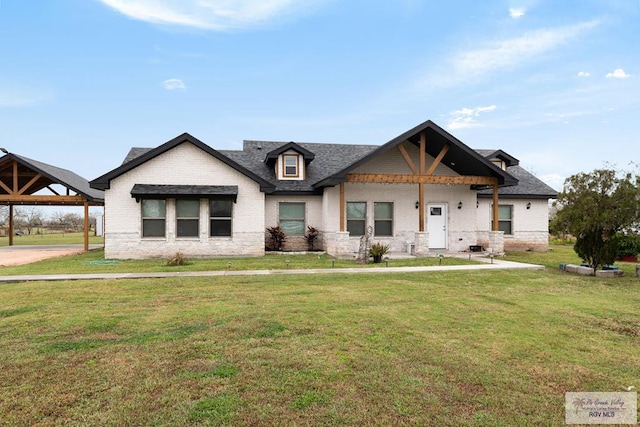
x,y
187,218
292,218
290,165
505,219
356,218
383,218
220,218
154,214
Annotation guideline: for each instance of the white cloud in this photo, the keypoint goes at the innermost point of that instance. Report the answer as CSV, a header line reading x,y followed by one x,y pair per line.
x,y
618,74
505,54
218,15
584,74
516,13
173,84
466,117
554,180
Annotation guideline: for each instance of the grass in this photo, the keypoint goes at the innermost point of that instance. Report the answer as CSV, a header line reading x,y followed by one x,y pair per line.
x,y
94,262
51,239
475,348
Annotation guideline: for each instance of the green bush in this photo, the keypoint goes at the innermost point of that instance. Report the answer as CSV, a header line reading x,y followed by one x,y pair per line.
x,y
628,244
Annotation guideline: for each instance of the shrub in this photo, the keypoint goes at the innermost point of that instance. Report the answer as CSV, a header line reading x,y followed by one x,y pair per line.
x,y
277,237
177,259
628,244
311,236
377,251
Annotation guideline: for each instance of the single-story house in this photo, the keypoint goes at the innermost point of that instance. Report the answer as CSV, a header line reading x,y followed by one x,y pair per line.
x,y
423,191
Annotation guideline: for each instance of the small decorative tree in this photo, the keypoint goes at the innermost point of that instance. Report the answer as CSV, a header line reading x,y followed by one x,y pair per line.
x,y
277,237
311,236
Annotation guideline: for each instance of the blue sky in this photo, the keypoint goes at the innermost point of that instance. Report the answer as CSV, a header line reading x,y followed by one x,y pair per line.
x,y
554,83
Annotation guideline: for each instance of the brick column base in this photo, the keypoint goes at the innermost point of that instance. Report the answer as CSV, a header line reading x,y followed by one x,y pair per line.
x,y
421,242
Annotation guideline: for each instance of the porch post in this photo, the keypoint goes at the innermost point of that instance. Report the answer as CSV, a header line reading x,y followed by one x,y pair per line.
x,y
10,224
495,208
421,206
423,169
86,226
342,207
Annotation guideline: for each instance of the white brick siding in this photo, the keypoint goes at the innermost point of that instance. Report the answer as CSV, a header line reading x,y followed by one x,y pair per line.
x,y
530,226
312,216
183,165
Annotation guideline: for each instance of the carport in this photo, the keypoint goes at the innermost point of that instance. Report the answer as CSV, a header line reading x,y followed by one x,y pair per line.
x,y
25,181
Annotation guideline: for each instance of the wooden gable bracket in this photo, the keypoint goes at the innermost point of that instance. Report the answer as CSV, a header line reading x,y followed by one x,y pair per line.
x,y
437,160
6,187
407,159
29,184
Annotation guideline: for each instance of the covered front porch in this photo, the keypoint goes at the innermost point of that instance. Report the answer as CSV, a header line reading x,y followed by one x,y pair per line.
x,y
430,180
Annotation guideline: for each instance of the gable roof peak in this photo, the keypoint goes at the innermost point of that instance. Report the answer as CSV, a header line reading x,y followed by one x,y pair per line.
x,y
272,155
103,182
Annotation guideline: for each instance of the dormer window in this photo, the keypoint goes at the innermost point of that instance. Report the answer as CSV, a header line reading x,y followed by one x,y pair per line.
x,y
499,163
290,165
290,161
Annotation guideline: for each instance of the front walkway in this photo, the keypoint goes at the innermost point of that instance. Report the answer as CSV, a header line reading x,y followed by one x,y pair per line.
x,y
489,264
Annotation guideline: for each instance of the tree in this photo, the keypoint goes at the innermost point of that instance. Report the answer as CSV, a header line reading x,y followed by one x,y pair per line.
x,y
594,207
58,220
4,214
32,218
73,220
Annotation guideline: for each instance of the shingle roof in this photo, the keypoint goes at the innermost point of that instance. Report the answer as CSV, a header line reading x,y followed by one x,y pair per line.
x,y
330,159
529,186
138,156
56,175
457,155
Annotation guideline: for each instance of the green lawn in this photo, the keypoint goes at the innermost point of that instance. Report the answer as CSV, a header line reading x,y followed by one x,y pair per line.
x,y
50,238
481,348
94,262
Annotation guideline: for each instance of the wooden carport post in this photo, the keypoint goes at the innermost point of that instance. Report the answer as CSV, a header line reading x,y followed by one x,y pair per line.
x,y
10,224
86,225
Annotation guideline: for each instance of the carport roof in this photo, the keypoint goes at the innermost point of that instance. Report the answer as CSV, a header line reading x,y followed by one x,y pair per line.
x,y
34,176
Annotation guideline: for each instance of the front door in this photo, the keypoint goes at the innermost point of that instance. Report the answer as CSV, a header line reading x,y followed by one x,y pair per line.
x,y
437,225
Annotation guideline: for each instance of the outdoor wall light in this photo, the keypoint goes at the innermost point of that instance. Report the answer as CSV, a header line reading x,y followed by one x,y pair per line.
x,y
417,205
459,205
529,205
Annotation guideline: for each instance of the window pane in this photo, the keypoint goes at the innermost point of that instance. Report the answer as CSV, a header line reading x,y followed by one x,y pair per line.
x,y
504,212
187,228
504,226
292,226
356,210
153,228
291,211
355,227
383,210
290,165
220,208
153,208
383,228
220,227
187,208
